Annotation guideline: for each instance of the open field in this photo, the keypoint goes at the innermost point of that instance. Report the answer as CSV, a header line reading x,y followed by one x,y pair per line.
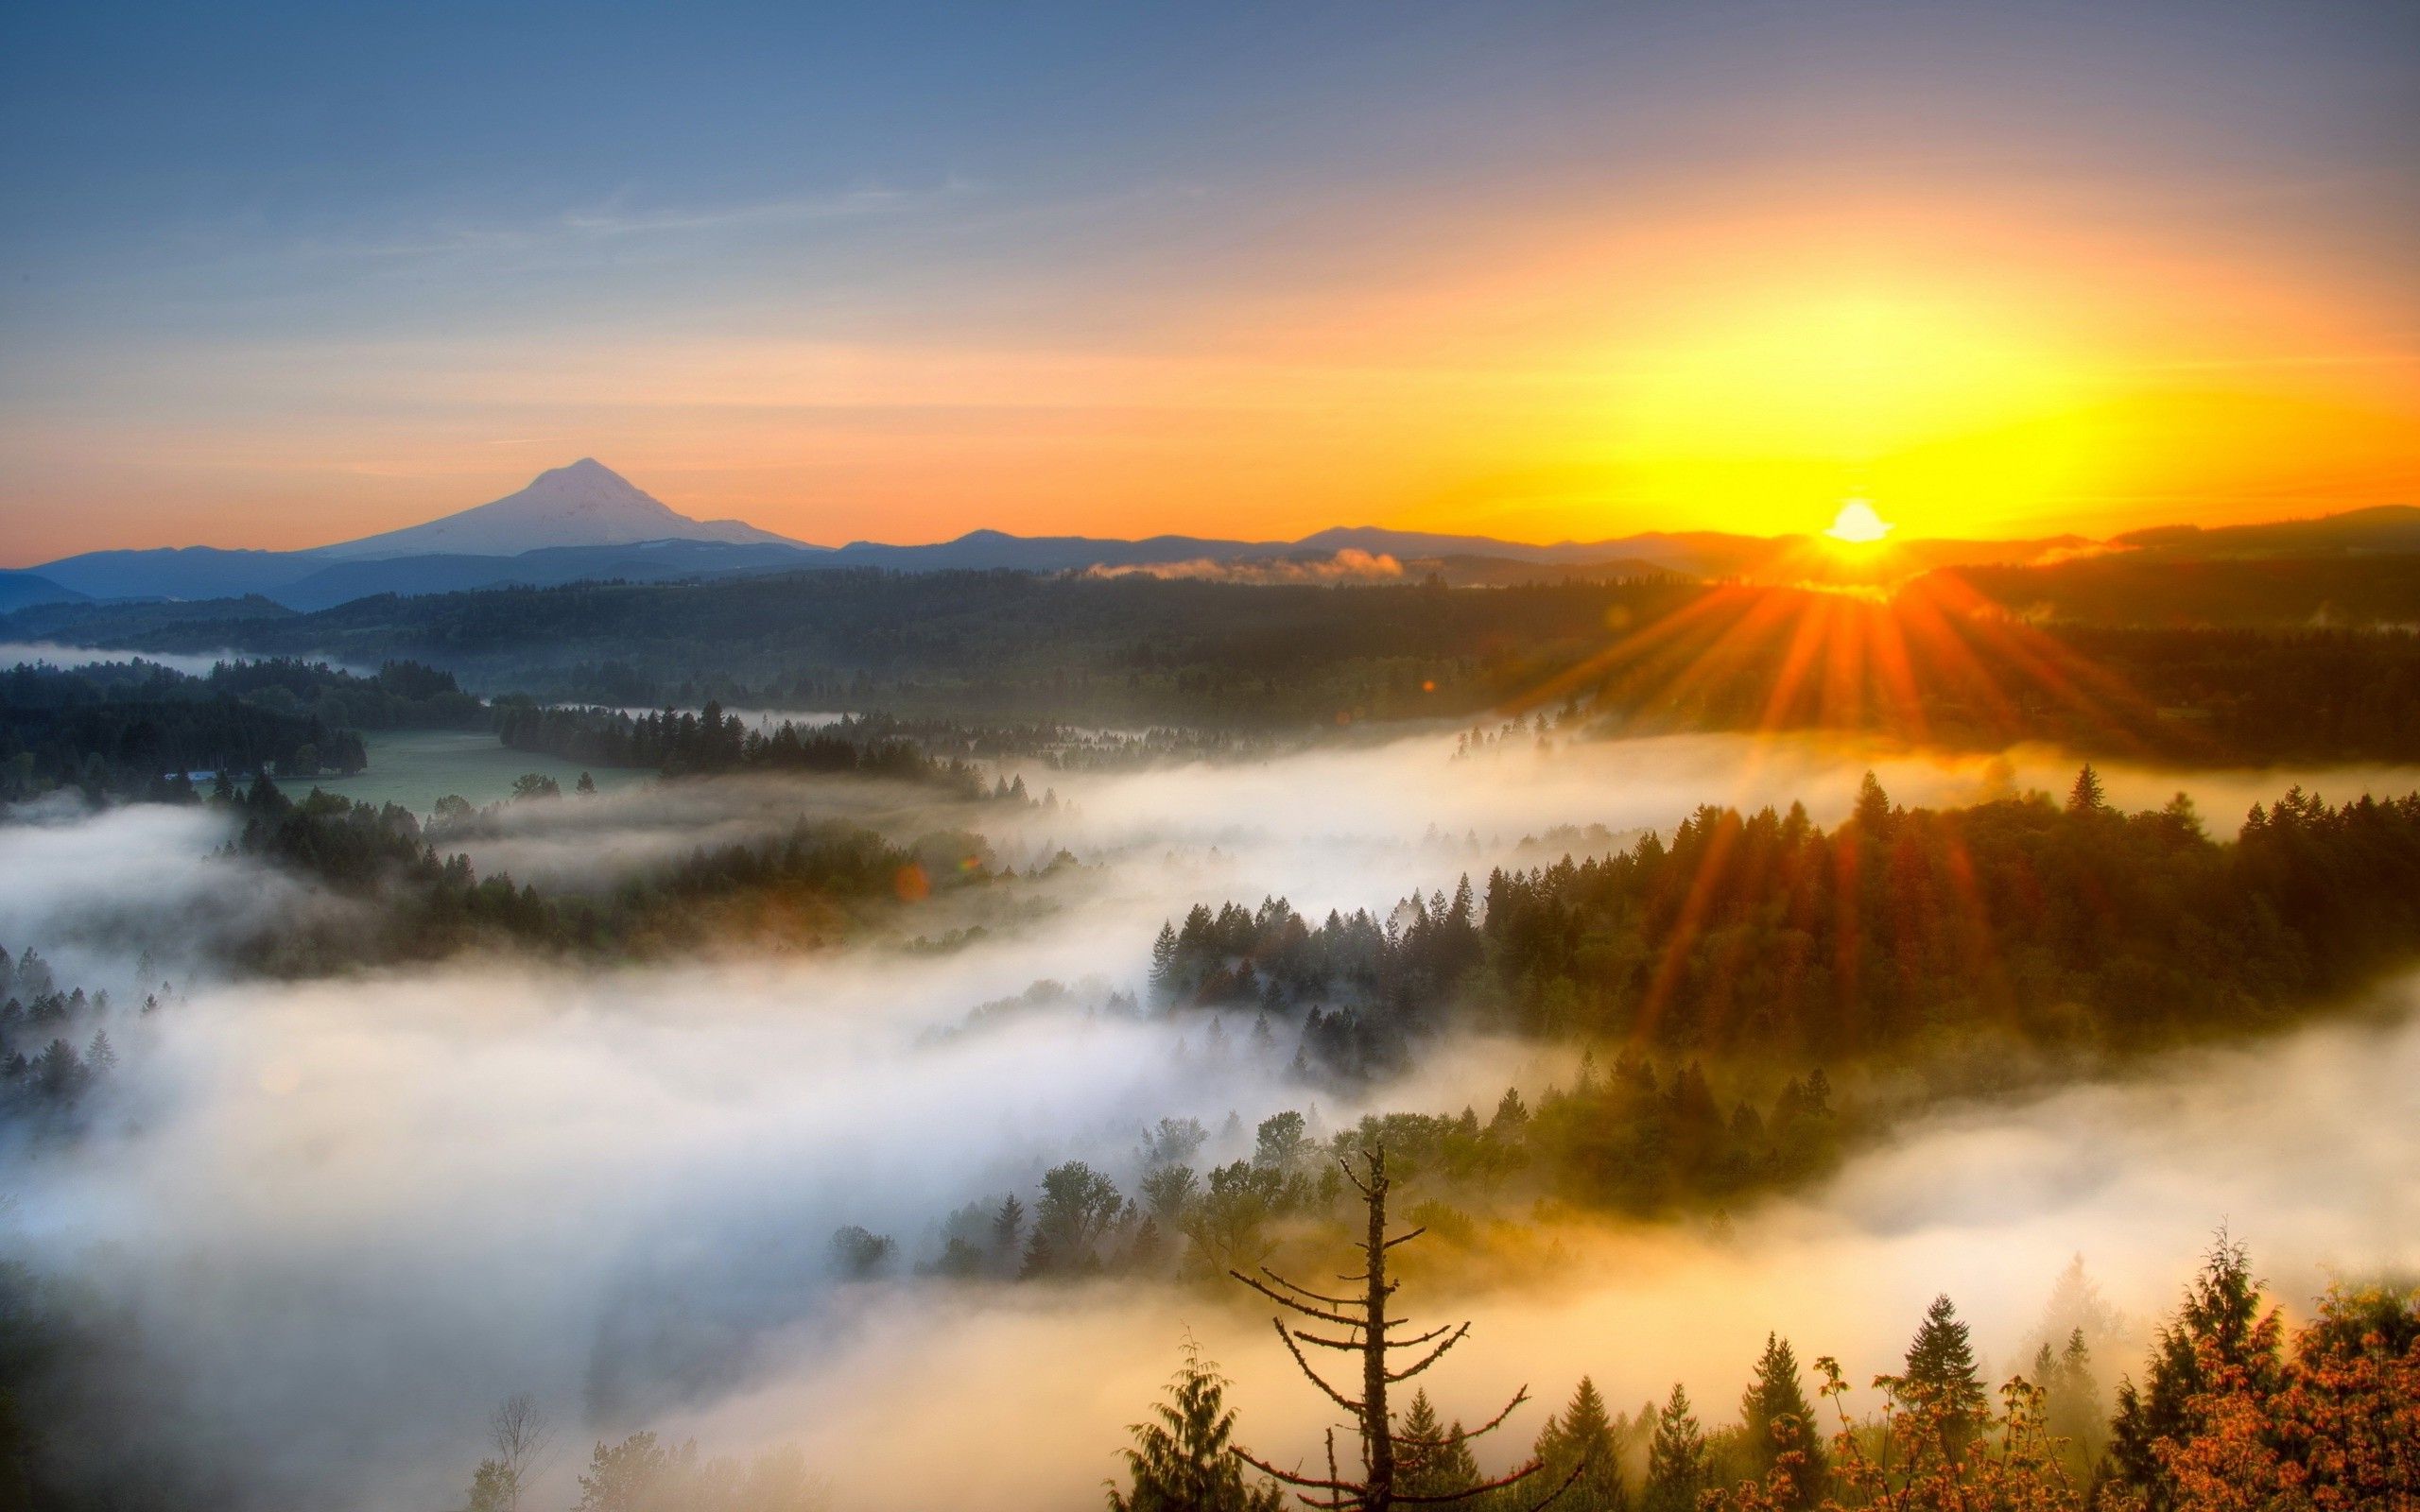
x,y
416,767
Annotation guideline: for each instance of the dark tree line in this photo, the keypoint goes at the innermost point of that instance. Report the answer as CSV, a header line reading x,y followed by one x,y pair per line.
x,y
2056,923
1943,662
678,742
800,884
143,731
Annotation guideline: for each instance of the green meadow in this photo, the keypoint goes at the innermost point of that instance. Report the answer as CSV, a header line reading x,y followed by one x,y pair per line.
x,y
416,767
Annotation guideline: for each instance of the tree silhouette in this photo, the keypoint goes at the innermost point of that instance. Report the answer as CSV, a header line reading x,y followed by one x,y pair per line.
x,y
1181,1462
1678,1470
1385,1449
1940,1370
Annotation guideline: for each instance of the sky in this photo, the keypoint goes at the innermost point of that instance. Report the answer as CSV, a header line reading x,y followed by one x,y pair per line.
x,y
277,276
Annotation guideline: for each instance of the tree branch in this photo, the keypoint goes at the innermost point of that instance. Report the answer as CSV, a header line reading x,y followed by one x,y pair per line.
x,y
1289,1477
1488,1427
1316,1296
1483,1487
1431,1358
1324,1316
1356,1346
1339,1398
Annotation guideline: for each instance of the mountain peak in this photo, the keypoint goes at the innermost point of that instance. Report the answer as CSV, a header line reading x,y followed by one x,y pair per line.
x,y
582,503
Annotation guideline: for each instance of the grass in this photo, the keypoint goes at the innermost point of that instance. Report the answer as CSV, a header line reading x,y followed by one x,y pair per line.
x,y
416,767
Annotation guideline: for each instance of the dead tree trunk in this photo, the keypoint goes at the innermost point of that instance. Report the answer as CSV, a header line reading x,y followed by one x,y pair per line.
x,y
1367,1326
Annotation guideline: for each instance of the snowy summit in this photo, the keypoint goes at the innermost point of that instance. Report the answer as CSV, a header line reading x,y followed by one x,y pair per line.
x,y
586,503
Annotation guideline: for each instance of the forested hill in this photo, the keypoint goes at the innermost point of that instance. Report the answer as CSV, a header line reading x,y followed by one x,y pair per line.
x,y
141,729
1649,653
2055,926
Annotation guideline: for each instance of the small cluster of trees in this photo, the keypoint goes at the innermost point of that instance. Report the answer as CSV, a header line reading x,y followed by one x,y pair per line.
x,y
678,743
1634,1142
430,907
642,1472
36,1012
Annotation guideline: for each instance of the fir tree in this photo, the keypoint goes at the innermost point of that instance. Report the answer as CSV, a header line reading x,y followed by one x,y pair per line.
x,y
1435,1460
1777,1419
1008,1229
1678,1470
2087,797
1580,1440
2217,1330
1940,1370
1164,963
1180,1462
2074,1411
1873,807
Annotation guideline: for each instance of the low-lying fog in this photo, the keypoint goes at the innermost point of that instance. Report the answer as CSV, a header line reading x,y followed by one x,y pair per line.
x,y
351,1214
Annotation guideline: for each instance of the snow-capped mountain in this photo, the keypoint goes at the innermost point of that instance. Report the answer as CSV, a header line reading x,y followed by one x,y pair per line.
x,y
586,503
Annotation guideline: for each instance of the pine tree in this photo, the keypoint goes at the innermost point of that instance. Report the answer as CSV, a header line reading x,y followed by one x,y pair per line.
x,y
1940,1370
1180,1462
2219,1329
1436,1460
1873,807
1164,963
1678,1470
1008,1229
1777,1419
1581,1442
2073,1411
2087,797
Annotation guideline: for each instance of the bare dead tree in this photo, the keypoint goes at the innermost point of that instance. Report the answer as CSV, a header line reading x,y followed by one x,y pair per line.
x,y
1368,1334
521,1433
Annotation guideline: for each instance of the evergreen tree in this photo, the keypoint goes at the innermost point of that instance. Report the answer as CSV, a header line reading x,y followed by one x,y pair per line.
x,y
1433,1459
2087,797
1180,1462
1164,963
58,1073
1777,1419
1264,1038
1678,1470
1581,1438
2217,1330
2073,1411
1873,807
1008,1229
1941,1372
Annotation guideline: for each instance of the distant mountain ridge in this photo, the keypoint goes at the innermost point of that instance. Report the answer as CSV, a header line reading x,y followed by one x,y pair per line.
x,y
586,523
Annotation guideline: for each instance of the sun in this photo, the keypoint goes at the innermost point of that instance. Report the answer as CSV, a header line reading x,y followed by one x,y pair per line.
x,y
1857,525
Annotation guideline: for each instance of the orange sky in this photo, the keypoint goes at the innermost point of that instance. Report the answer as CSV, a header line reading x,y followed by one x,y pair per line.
x,y
2018,324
